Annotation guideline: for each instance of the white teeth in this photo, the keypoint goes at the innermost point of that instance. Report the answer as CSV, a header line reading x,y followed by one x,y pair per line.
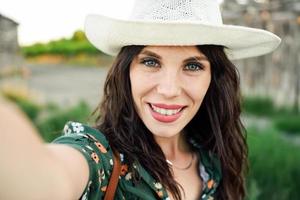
x,y
163,111
169,112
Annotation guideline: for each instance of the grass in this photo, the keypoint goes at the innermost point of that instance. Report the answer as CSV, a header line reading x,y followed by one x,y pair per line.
x,y
274,166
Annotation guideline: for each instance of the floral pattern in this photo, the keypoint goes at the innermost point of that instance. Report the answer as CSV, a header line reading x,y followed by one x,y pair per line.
x,y
94,146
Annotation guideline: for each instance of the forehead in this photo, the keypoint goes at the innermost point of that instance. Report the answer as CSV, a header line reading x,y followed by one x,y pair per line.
x,y
173,51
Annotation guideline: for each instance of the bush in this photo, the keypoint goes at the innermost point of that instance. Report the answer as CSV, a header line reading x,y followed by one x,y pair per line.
x,y
50,118
68,47
261,106
253,191
264,106
274,167
30,108
78,36
288,123
52,126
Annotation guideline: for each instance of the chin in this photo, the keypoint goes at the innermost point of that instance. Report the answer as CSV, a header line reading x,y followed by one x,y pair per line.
x,y
165,132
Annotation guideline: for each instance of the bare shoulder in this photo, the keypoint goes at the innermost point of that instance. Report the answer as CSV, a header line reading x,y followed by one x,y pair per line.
x,y
74,165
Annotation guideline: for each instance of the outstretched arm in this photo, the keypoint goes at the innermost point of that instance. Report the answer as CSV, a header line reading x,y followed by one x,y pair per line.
x,y
31,169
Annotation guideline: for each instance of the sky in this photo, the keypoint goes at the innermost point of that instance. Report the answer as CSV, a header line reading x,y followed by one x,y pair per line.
x,y
44,20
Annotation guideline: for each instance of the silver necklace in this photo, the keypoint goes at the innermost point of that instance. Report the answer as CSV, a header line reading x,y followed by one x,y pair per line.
x,y
182,168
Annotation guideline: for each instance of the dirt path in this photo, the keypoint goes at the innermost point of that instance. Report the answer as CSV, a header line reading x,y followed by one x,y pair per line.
x,y
65,85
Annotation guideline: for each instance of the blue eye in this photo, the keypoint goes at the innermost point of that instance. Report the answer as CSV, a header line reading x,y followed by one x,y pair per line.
x,y
150,62
193,67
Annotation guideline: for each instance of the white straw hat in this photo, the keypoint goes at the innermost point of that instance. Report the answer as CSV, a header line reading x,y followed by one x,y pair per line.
x,y
177,22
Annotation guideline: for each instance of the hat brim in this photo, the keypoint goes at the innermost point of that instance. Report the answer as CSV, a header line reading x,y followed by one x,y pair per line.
x,y
110,35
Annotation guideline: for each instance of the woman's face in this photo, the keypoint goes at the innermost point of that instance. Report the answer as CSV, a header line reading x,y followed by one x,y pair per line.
x,y
168,84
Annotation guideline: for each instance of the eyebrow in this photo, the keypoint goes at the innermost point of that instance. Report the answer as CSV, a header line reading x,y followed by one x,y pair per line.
x,y
190,59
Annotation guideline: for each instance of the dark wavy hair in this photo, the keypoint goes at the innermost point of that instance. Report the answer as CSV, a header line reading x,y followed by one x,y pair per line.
x,y
216,126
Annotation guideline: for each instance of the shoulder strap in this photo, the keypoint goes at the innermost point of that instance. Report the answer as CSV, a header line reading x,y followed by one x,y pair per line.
x,y
114,178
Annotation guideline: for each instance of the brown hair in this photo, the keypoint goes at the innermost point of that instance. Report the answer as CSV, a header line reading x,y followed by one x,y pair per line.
x,y
216,126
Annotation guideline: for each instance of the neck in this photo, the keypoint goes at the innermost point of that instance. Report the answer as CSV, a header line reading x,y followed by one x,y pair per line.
x,y
174,148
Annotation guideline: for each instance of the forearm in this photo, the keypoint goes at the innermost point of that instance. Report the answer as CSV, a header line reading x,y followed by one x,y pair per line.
x,y
16,131
25,163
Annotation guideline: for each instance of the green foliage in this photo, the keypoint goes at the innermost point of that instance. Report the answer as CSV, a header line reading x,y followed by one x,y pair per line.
x,y
68,47
253,190
61,47
264,106
284,118
288,123
285,111
51,126
30,108
50,119
274,167
261,106
78,36
51,107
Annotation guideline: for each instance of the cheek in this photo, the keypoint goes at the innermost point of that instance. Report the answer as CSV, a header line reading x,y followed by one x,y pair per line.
x,y
139,86
134,85
136,82
142,82
197,90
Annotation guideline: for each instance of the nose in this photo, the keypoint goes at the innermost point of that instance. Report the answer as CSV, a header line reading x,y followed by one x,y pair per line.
x,y
169,85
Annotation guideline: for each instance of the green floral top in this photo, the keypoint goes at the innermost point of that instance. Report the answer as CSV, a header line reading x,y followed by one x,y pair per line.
x,y
95,148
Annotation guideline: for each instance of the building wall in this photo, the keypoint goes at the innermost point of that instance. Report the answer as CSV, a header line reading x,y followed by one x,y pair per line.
x,y
277,74
9,45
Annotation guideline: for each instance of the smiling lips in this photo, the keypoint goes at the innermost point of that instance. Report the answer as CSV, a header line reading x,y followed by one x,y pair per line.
x,y
166,113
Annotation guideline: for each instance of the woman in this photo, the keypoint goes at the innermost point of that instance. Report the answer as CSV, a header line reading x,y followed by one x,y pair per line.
x,y
171,108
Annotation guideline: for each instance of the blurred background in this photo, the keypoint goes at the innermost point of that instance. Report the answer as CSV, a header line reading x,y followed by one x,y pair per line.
x,y
50,70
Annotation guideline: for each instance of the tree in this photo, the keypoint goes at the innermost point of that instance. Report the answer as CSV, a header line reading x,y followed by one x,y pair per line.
x,y
78,36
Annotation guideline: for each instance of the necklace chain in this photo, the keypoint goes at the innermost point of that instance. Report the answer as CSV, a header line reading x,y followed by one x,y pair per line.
x,y
182,168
